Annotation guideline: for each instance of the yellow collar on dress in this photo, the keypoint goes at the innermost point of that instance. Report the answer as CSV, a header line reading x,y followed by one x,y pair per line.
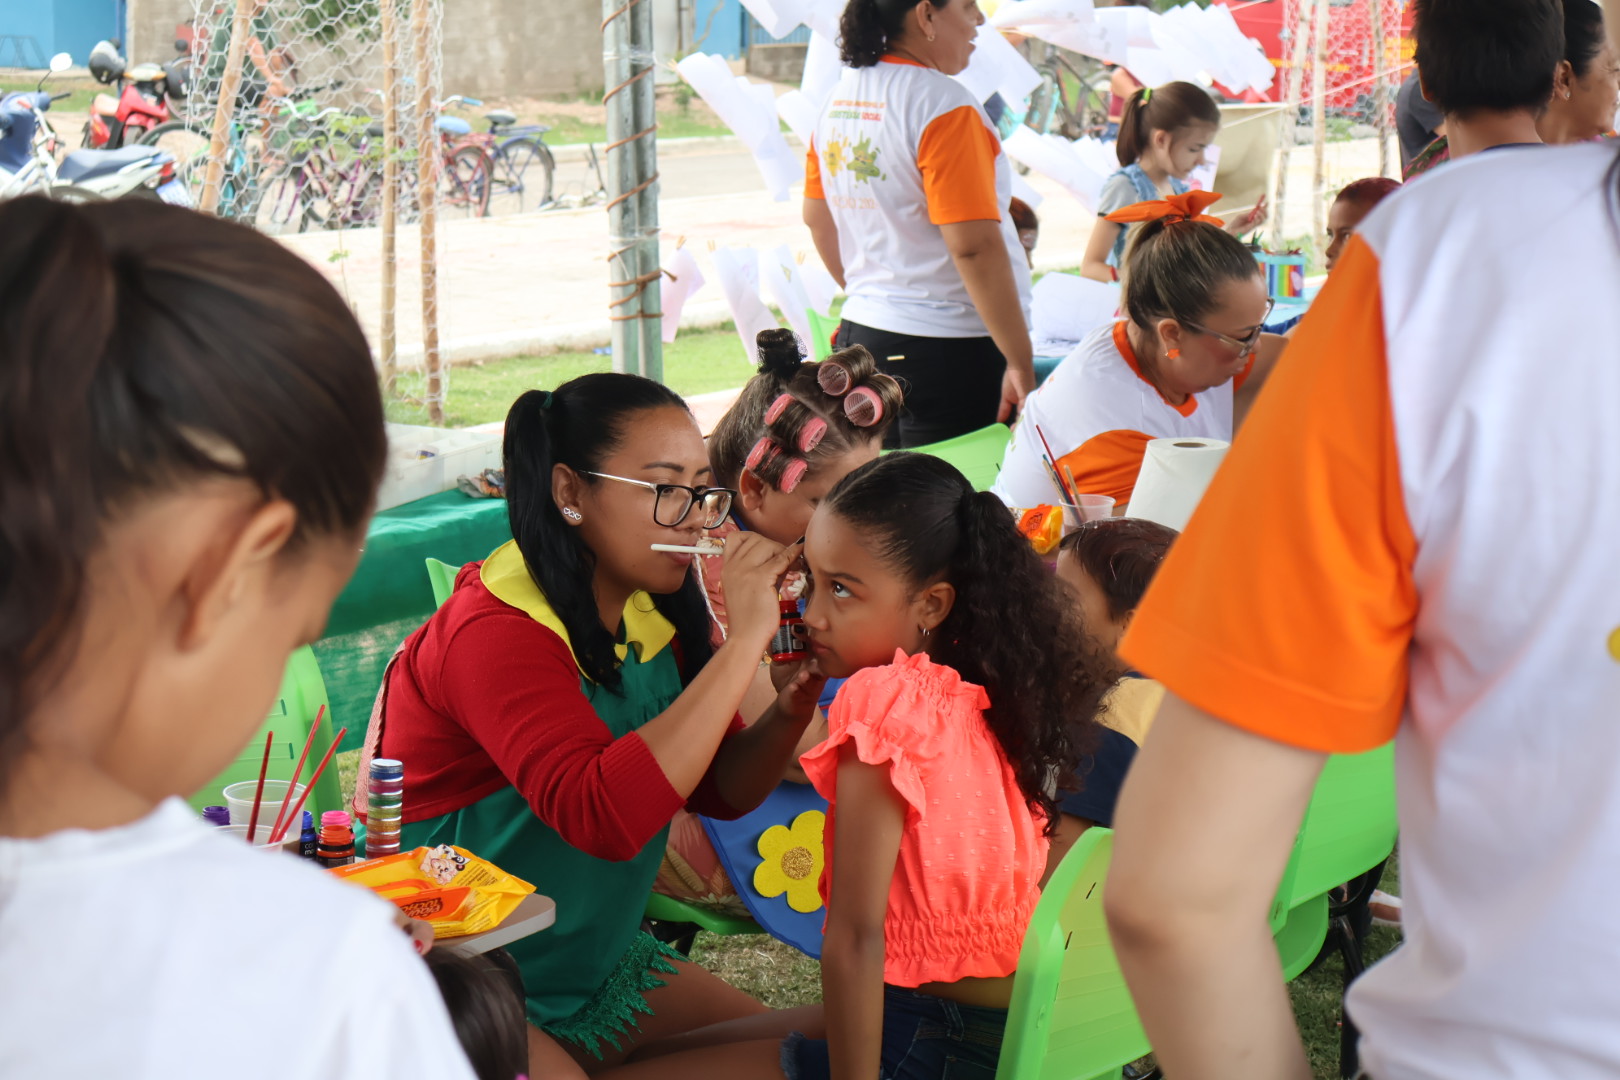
x,y
507,577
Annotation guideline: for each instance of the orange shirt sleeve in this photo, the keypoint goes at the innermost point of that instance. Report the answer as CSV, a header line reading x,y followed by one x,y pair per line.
x,y
1287,607
957,156
812,174
1108,464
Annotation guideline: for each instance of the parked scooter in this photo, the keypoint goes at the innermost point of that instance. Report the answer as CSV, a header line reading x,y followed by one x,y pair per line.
x,y
144,97
28,163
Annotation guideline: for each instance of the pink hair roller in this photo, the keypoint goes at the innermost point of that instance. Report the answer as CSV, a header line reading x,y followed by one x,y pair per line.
x,y
756,456
834,378
811,434
793,475
863,406
778,407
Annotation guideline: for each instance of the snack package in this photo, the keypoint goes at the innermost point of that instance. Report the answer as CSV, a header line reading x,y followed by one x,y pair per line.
x,y
453,889
1043,527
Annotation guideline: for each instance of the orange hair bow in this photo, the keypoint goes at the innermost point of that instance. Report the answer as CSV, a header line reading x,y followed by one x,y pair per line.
x,y
1188,207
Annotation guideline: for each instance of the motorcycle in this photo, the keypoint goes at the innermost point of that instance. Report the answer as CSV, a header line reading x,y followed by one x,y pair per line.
x,y
28,163
146,93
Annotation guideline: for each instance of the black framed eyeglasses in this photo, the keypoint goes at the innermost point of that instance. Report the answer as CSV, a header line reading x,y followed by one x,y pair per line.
x,y
673,503
1243,345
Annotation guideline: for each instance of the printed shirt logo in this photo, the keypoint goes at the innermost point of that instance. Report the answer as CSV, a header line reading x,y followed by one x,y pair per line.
x,y
860,160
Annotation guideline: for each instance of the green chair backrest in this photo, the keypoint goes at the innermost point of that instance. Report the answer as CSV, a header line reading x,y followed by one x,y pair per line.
x,y
1071,1017
822,329
977,454
1350,826
442,576
302,696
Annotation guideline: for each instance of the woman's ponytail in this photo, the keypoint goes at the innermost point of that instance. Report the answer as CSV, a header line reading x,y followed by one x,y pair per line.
x,y
1010,629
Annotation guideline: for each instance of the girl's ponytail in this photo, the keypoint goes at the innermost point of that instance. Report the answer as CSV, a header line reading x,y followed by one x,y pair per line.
x,y
1011,630
1171,107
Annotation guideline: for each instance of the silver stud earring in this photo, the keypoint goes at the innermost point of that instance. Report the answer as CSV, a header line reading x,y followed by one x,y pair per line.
x,y
573,515
925,631
931,38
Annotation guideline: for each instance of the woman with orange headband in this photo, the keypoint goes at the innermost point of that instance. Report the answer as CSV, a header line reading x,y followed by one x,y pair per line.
x,y
1186,362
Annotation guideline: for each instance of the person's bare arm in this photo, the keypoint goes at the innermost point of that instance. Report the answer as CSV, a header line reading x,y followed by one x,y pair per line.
x,y
261,60
980,254
871,817
1094,263
824,234
1265,361
1205,827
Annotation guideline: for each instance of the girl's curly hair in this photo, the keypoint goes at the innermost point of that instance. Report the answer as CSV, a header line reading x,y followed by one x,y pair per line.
x,y
1012,630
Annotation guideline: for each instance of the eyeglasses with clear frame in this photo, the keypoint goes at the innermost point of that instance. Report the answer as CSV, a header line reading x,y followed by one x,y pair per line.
x,y
1245,345
673,503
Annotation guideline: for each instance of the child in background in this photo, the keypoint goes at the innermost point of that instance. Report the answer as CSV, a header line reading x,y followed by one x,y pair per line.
x,y
965,669
484,996
775,498
1108,565
1350,206
1162,139
191,440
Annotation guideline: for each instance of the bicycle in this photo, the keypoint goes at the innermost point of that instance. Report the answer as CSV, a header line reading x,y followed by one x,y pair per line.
x,y
513,152
334,176
1071,101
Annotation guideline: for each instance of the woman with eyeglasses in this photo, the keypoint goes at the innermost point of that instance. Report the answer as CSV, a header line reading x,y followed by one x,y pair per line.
x,y
567,700
1187,361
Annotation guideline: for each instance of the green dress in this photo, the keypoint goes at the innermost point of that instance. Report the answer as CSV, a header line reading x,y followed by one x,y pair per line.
x,y
585,975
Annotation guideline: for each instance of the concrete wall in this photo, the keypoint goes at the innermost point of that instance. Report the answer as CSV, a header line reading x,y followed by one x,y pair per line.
x,y
152,29
522,47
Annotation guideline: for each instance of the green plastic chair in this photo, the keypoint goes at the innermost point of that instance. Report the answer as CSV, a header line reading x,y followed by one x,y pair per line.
x,y
1071,1016
822,329
1351,824
303,693
685,920
977,454
442,576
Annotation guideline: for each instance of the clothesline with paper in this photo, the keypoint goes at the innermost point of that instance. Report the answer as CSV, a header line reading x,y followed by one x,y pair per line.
x,y
749,110
1080,166
751,279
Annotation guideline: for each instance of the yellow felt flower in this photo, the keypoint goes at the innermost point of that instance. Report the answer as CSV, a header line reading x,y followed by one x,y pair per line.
x,y
793,861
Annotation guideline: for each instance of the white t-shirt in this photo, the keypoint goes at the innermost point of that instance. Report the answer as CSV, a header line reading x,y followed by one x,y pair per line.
x,y
1099,413
160,951
1418,535
901,150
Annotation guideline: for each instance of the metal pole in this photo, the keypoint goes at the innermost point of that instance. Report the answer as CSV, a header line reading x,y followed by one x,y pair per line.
x,y
1379,94
632,175
1319,92
229,84
427,186
390,192
1296,81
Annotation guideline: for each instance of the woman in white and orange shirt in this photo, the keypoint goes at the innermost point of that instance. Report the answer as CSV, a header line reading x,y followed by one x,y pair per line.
x,y
1186,362
906,197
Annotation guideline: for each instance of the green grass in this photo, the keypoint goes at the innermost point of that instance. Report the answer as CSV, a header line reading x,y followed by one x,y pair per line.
x,y
697,362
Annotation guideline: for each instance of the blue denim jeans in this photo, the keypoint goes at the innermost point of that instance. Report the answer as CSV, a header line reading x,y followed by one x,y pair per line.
x,y
924,1038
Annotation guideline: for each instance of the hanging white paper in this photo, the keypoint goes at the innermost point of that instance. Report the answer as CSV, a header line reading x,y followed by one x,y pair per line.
x,y
682,278
997,67
783,282
778,18
738,272
749,110
1080,166
818,283
1023,189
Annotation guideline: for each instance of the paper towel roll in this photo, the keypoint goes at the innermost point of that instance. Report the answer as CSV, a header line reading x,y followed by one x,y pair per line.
x,y
1174,474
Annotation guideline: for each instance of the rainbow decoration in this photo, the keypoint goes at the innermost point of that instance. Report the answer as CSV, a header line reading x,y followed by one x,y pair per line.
x,y
1285,274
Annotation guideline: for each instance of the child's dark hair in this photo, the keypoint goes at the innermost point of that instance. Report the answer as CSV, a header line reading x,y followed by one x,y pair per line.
x,y
486,1009
1367,192
148,348
1583,36
1170,107
1121,555
831,407
868,27
1022,214
578,425
1010,630
1174,268
1495,57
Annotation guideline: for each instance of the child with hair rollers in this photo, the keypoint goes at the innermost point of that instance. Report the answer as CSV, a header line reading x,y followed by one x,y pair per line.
x,y
970,687
1162,139
782,461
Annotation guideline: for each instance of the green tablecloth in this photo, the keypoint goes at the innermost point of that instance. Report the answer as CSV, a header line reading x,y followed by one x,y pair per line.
x,y
390,596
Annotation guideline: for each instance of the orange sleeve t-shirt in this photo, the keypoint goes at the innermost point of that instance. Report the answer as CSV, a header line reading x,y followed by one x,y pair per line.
x,y
1287,608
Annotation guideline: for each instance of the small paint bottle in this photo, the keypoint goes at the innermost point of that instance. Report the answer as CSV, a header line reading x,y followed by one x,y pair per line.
x,y
789,643
335,846
384,807
307,842
217,815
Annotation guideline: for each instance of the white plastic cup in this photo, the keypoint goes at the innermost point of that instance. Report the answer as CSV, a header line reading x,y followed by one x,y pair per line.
x,y
1094,507
239,798
261,836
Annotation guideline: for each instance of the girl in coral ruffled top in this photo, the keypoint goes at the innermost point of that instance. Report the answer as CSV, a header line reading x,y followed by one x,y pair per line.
x,y
969,690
